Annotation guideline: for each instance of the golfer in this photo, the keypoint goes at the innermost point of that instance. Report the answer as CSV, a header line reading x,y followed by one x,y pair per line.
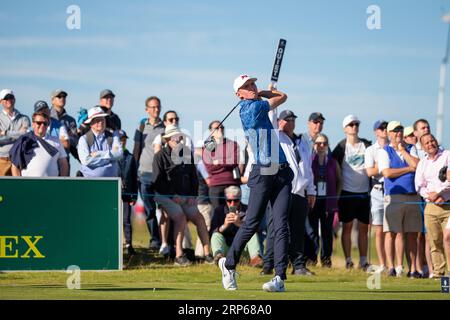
x,y
269,180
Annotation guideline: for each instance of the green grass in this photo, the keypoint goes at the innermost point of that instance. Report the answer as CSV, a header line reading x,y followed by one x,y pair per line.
x,y
148,277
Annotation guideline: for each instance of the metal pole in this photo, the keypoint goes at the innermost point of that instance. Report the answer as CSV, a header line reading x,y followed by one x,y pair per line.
x,y
440,107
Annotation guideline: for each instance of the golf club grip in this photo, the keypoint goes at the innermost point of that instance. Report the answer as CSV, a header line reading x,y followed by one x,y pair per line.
x,y
278,60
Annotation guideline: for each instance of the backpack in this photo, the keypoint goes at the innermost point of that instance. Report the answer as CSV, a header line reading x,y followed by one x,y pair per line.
x,y
90,138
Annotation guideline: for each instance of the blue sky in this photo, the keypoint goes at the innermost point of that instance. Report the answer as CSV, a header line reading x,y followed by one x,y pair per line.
x,y
189,52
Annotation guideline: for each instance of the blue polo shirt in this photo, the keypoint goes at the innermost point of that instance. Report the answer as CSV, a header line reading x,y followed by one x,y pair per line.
x,y
259,131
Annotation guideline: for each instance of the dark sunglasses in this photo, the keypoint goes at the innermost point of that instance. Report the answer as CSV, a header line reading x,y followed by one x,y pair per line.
x,y
39,123
353,124
321,143
233,200
60,97
318,121
173,119
382,127
9,97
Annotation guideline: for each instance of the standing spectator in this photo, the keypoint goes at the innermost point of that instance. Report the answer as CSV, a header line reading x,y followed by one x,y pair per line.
x,y
377,193
226,221
354,201
55,128
58,112
128,173
176,183
13,124
402,215
315,126
422,126
435,193
113,122
203,202
409,136
222,164
303,193
99,149
143,153
328,182
37,154
270,180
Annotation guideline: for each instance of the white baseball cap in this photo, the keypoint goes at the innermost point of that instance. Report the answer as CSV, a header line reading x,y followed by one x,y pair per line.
x,y
240,81
95,112
349,119
5,92
407,131
394,126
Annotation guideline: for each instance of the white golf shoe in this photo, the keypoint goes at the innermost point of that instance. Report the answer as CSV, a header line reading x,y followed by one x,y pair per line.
x,y
228,276
274,285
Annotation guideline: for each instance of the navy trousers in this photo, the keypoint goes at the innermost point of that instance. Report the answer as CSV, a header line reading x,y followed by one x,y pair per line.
x,y
147,192
313,240
127,222
275,188
297,217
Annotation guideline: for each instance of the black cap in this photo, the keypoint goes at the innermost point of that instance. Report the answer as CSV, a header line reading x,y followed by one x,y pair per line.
x,y
39,105
316,116
122,134
286,114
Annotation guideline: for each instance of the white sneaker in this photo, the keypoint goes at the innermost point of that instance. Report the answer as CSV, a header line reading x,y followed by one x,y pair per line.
x,y
274,285
399,271
164,250
228,276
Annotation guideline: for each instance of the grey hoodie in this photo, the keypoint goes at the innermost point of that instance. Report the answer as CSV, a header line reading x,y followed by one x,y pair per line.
x,y
14,129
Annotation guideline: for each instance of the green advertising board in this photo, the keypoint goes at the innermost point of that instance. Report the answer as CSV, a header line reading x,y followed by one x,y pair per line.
x,y
53,223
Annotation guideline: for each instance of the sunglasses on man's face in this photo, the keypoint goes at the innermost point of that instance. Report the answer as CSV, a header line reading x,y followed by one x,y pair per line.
x,y
324,144
9,97
61,97
173,119
233,200
353,124
40,123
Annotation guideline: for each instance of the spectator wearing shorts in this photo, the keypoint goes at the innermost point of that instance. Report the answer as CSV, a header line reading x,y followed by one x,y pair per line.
x,y
435,193
377,193
176,185
402,213
354,201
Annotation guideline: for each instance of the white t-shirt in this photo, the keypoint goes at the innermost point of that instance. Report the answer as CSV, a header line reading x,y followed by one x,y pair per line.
x,y
385,163
370,157
354,174
42,164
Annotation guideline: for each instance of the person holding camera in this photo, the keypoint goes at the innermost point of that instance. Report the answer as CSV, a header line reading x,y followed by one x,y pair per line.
x,y
222,164
226,221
